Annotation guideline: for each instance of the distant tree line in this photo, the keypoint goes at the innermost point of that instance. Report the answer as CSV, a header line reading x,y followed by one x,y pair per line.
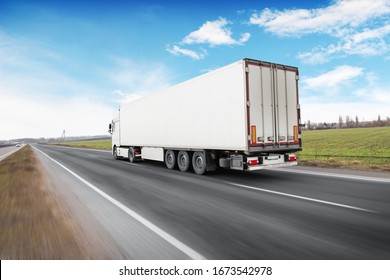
x,y
349,122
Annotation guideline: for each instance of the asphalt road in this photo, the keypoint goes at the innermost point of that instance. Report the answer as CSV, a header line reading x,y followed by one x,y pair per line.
x,y
7,151
146,211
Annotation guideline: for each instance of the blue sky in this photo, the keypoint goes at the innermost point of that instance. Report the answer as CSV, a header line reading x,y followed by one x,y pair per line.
x,y
70,64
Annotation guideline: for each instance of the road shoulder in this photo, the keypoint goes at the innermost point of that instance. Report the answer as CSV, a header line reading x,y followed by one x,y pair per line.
x,y
339,172
91,234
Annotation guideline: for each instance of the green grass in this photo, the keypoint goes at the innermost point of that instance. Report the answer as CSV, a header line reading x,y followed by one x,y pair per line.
x,y
362,147
94,144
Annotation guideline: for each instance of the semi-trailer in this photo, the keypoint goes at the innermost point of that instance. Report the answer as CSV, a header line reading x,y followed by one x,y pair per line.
x,y
244,116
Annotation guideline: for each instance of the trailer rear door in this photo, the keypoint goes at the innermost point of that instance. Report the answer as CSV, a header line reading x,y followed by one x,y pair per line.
x,y
273,107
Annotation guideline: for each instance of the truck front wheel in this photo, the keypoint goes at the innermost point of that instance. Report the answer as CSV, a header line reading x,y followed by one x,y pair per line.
x,y
183,161
131,155
170,159
199,163
115,153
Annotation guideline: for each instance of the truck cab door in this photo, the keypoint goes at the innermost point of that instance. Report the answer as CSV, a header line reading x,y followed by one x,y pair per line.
x,y
115,133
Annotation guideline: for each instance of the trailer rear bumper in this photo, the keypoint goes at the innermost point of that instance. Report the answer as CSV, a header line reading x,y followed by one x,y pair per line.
x,y
278,165
241,162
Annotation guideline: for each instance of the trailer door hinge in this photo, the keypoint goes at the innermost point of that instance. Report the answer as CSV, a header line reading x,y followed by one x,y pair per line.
x,y
247,69
248,103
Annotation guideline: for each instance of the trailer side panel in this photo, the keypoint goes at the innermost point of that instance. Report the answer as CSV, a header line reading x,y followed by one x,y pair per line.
x,y
207,112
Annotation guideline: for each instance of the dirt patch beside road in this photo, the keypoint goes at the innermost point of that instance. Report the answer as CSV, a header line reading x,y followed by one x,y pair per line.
x,y
34,223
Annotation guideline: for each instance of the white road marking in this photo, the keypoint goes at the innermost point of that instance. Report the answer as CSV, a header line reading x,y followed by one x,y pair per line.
x,y
327,174
97,150
163,234
8,154
303,198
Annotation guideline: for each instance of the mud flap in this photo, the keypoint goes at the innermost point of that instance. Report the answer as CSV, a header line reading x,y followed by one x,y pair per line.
x,y
210,163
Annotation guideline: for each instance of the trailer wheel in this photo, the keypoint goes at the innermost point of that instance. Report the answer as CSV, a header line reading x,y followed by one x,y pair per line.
x,y
131,155
115,153
199,163
183,161
170,159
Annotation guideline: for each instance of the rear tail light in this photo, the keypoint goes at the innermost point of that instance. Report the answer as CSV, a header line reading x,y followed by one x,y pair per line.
x,y
253,162
292,158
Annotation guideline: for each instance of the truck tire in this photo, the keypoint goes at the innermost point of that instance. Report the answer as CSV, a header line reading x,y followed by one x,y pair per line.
x,y
115,153
170,159
131,155
199,163
183,161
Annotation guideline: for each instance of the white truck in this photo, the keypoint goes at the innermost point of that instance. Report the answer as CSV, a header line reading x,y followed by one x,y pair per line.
x,y
244,116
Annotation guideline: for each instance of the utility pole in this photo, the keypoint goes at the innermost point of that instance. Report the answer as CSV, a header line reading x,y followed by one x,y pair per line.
x,y
62,139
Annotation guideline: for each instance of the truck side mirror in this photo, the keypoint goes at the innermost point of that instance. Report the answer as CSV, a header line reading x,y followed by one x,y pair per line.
x,y
110,128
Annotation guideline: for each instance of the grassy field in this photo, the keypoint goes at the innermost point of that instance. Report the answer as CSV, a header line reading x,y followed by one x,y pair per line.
x,y
94,144
356,148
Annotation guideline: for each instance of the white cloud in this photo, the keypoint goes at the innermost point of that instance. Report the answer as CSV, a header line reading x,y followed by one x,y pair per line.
x,y
38,101
345,90
138,74
325,111
333,78
358,27
334,19
244,38
366,102
374,93
212,33
215,33
371,34
369,42
176,50
135,79
37,116
39,98
317,55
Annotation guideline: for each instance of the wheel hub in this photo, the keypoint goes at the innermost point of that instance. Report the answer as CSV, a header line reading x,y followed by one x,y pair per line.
x,y
199,162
